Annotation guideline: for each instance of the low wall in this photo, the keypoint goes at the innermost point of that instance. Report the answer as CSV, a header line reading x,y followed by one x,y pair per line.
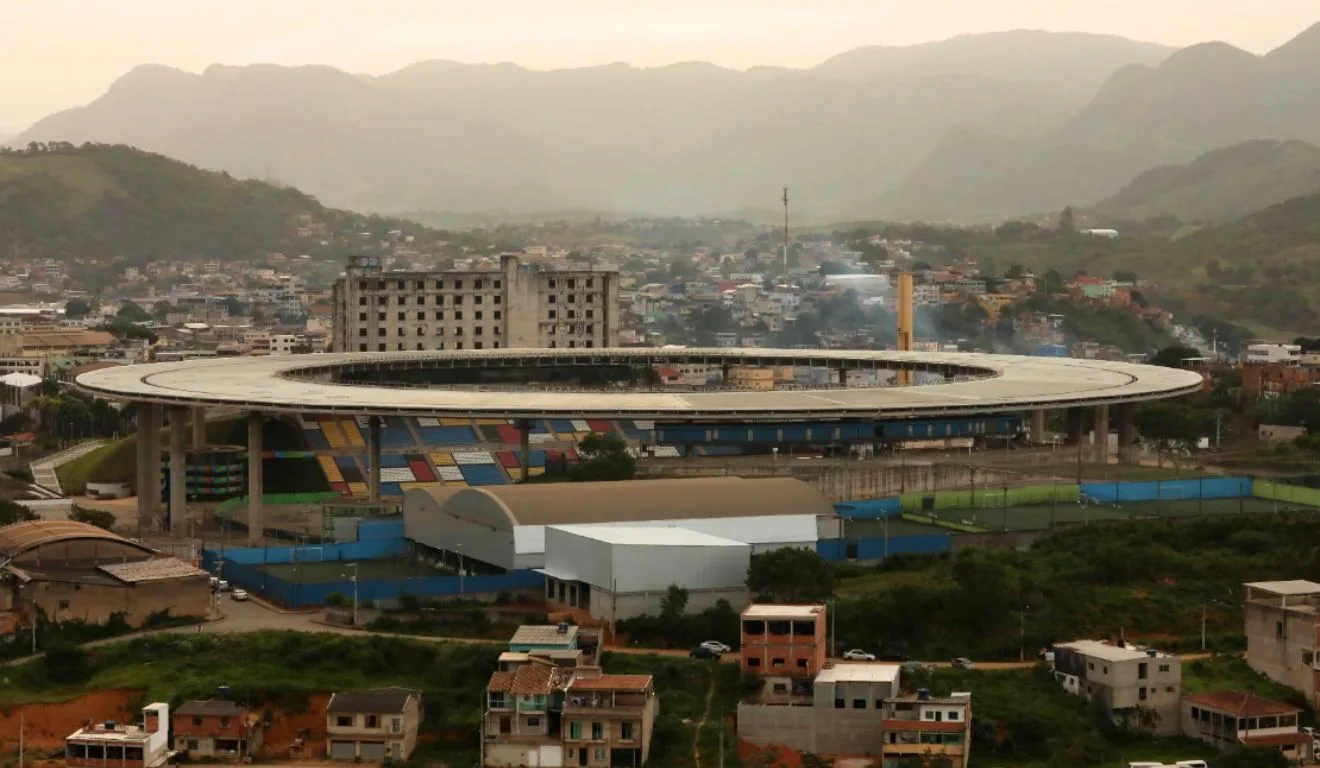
x,y
304,594
1168,490
792,727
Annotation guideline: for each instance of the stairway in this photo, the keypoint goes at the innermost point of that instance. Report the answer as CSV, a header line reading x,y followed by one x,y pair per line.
x,y
43,470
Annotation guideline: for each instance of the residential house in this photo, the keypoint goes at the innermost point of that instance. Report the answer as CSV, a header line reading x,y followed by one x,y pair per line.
x,y
609,719
937,730
1231,720
1140,685
849,705
524,715
373,725
112,745
215,729
545,637
1282,623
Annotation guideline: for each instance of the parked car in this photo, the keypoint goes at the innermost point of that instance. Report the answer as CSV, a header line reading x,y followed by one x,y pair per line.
x,y
702,652
222,585
962,662
857,654
716,646
240,595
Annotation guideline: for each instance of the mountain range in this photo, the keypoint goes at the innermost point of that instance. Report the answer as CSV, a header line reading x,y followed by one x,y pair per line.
x,y
977,127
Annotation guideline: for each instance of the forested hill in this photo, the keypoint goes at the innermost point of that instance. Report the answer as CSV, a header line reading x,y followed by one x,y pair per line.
x,y
117,203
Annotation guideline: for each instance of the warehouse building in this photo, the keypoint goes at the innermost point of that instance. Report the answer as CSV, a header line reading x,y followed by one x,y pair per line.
x,y
618,572
504,526
74,571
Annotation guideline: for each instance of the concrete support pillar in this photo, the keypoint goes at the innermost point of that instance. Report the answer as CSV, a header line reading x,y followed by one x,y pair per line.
x,y
373,452
1127,434
198,428
256,517
178,468
1074,426
525,457
142,485
1102,434
152,489
1038,427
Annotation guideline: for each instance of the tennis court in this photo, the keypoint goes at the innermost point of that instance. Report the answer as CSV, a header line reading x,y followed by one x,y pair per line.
x,y
385,568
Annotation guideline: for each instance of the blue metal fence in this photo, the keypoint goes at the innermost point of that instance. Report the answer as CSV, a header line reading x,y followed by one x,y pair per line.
x,y
1168,490
877,548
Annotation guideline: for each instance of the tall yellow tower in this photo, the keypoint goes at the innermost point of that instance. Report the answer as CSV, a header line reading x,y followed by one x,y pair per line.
x,y
905,321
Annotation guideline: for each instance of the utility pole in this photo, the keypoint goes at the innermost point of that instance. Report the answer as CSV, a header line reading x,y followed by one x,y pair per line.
x,y
786,229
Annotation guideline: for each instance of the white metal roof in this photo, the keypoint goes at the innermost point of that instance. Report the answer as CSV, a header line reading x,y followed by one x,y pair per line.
x,y
859,672
637,535
765,529
1290,588
1006,383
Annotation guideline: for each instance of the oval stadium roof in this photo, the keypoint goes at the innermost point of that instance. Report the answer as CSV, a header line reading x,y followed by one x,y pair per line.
x,y
304,383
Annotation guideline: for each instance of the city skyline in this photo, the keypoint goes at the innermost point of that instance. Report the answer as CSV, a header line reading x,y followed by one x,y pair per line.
x,y
64,53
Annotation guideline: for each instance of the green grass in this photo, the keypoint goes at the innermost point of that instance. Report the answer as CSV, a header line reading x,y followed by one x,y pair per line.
x,y
1232,673
83,177
114,462
682,685
385,568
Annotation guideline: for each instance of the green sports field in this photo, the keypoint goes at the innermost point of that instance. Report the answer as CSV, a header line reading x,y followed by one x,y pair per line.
x,y
1035,517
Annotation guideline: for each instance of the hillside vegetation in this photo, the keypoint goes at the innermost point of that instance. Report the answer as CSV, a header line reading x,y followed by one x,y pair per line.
x,y
688,139
107,203
1222,185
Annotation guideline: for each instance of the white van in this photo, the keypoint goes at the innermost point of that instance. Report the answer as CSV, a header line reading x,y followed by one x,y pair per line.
x,y
1192,764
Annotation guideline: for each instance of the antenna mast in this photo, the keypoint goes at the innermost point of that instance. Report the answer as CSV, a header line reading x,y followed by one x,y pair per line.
x,y
785,230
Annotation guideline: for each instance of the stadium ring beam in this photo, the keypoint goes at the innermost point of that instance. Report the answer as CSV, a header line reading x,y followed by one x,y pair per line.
x,y
965,384
974,384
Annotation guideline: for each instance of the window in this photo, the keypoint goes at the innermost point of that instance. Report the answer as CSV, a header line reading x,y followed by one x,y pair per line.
x,y
590,343
552,283
859,704
362,301
801,663
192,743
600,754
398,331
380,347
497,285
551,299
197,721
498,314
458,285
499,299
476,285
401,284
344,721
753,662
1164,667
477,331
552,315
572,314
572,283
421,315
1168,689
591,314
380,316
362,317
458,315
575,730
421,301
879,704
224,722
589,282
402,315
1278,629
420,347
1141,694
439,285
476,299
1090,666
1141,671
780,688
439,315
421,285
458,301
362,347
373,721
64,605
626,731
533,722
476,344
1104,670
570,752
478,313
839,703
954,715
597,731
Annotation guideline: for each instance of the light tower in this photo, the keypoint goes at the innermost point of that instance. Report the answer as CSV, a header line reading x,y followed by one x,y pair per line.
x,y
905,321
785,229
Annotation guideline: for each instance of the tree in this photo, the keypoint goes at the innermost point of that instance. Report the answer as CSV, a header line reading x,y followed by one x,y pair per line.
x,y
674,604
65,663
790,575
233,307
1264,757
1173,356
13,512
133,313
1172,427
76,309
1067,220
97,517
604,458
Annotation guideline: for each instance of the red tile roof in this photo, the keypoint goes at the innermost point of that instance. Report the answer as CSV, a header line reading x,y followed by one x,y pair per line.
x,y
1241,704
611,683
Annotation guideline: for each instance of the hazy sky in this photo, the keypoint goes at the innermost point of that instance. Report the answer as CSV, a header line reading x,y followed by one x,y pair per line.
x,y
56,54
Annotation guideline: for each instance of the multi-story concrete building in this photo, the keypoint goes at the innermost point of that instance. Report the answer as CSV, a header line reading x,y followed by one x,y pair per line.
x,y
108,744
216,729
783,643
518,306
1141,685
934,729
1281,623
373,725
609,719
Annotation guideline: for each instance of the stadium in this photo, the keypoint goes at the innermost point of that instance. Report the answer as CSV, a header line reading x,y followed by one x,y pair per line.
x,y
379,425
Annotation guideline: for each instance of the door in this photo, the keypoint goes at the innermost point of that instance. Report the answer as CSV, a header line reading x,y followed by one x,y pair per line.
x,y
372,750
342,750
583,754
506,725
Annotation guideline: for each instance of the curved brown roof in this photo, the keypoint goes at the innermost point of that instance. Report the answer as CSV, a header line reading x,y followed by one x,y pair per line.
x,y
21,537
635,500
